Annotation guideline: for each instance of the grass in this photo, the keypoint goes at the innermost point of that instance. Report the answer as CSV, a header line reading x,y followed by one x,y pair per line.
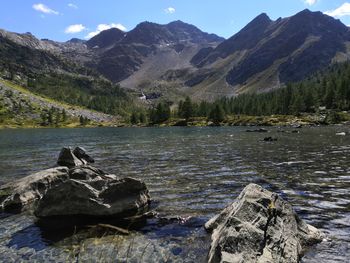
x,y
40,97
10,120
246,120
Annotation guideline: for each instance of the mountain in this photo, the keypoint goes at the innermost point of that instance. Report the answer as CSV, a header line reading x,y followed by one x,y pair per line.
x,y
105,38
178,59
148,51
267,54
56,70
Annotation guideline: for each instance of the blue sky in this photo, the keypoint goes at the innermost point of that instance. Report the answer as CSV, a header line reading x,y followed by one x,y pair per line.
x,y
64,19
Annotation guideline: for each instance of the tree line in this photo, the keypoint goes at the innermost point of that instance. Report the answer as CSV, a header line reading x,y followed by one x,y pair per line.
x,y
329,89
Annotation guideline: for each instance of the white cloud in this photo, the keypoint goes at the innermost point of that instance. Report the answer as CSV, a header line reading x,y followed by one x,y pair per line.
x,y
102,27
343,10
44,9
310,2
169,10
73,29
71,5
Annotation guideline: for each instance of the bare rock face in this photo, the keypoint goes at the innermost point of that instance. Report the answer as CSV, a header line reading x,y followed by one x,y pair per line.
x,y
90,192
259,227
18,195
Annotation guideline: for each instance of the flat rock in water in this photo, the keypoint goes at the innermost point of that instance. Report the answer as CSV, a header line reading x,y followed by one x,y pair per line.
x,y
89,192
18,195
259,227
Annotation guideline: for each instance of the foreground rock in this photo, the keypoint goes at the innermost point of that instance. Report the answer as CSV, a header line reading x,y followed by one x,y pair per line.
x,y
259,227
90,192
75,190
18,195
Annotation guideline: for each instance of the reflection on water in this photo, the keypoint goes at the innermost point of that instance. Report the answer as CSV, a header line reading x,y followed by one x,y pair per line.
x,y
191,172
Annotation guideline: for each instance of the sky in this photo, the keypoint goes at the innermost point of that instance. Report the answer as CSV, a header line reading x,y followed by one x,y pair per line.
x,y
62,20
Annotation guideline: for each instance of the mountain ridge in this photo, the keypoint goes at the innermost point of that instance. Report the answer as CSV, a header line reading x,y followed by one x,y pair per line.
x,y
178,59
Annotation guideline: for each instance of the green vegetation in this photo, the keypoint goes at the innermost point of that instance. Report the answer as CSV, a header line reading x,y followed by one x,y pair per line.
x,y
186,109
53,76
322,99
83,120
159,114
330,89
93,93
138,118
217,114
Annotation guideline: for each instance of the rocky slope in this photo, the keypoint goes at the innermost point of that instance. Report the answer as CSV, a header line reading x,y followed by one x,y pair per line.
x,y
20,108
121,55
267,54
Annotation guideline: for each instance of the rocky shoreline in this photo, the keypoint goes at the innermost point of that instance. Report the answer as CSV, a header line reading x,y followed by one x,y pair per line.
x,y
259,226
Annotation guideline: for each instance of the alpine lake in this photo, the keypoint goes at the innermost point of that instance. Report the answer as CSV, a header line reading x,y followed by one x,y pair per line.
x,y
192,174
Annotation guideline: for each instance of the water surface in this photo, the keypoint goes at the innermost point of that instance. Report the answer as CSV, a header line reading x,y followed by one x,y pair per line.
x,y
191,172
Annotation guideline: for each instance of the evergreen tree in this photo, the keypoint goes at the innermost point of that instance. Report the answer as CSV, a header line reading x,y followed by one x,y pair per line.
x,y
186,109
160,114
142,118
134,118
217,114
64,115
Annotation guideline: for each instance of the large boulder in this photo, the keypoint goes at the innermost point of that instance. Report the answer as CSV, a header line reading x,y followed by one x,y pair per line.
x,y
259,227
89,192
18,195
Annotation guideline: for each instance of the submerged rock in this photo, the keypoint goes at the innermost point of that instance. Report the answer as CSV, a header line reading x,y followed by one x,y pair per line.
x,y
90,192
258,130
18,195
270,139
259,227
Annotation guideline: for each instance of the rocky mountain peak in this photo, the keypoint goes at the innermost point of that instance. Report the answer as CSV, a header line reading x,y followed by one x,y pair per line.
x,y
106,38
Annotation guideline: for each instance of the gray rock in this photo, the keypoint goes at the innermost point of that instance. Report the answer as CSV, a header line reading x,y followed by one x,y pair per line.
x,y
21,194
94,193
67,158
259,227
81,154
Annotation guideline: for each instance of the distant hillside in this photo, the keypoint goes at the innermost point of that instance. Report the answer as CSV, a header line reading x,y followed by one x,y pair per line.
x,y
21,108
267,54
177,59
123,54
44,67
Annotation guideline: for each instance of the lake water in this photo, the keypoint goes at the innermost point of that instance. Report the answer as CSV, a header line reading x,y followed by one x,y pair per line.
x,y
191,172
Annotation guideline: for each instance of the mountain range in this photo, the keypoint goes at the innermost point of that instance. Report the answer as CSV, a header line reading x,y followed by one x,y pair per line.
x,y
178,59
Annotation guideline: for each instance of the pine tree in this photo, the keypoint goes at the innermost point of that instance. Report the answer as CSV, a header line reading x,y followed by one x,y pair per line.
x,y
142,118
134,118
217,114
64,115
187,109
